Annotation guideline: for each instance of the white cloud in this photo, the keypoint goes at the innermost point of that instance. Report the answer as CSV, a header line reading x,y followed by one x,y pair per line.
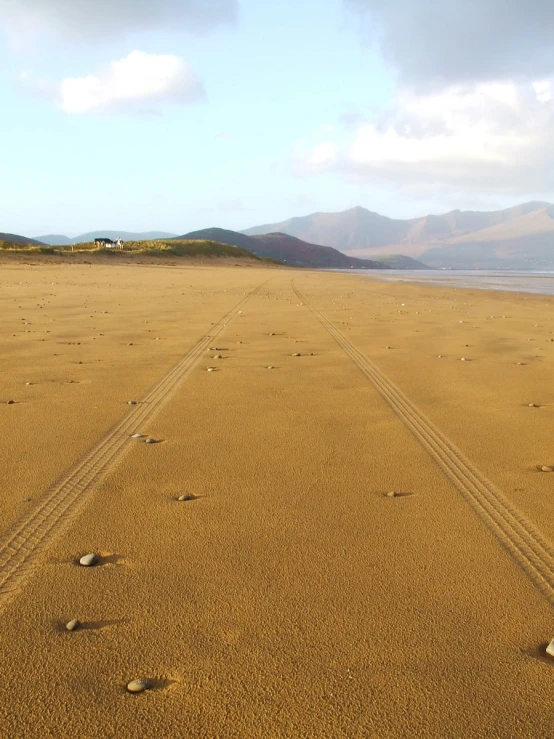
x,y
137,83
87,19
483,137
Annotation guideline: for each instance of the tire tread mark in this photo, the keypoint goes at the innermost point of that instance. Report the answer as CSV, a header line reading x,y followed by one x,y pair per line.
x,y
531,551
22,545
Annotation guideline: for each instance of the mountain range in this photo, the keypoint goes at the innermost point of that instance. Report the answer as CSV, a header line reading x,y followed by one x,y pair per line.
x,y
291,251
521,237
60,240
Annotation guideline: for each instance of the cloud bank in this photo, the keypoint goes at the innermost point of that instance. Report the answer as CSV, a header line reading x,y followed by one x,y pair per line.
x,y
477,137
86,19
139,82
445,42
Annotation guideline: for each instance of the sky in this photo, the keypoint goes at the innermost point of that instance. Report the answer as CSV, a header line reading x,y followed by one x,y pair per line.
x,y
184,114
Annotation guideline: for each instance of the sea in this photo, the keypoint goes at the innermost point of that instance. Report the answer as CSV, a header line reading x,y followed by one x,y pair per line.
x,y
541,282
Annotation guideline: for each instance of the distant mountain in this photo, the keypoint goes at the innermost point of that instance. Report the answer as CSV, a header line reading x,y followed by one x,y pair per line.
x,y
284,248
55,240
521,237
58,240
19,240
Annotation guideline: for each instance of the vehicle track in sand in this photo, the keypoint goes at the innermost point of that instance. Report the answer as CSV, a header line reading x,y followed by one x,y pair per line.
x,y
30,536
531,551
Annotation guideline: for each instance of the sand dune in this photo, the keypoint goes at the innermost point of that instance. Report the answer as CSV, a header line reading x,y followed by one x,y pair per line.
x,y
292,596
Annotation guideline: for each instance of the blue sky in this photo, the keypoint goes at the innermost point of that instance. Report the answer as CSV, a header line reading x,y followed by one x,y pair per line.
x,y
237,113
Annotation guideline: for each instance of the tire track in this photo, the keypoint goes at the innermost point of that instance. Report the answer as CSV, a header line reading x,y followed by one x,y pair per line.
x,y
28,538
531,551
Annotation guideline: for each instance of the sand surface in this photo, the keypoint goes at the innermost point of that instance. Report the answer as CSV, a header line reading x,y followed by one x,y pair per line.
x,y
292,597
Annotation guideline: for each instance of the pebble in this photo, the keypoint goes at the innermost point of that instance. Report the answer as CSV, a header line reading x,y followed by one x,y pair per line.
x,y
136,436
88,560
130,343
150,440
218,356
463,359
270,366
296,354
138,686
533,405
550,648
131,402
547,468
188,496
10,402
272,334
392,494
28,383
27,500
211,369
72,625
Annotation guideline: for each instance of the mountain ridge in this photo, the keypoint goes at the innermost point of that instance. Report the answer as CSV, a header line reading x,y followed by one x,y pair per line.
x,y
521,236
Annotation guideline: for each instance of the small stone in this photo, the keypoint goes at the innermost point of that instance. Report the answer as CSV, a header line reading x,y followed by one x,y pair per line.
x,y
533,405
218,356
10,402
27,500
547,468
72,625
187,496
463,359
272,334
392,494
150,440
28,383
550,648
270,366
296,354
88,560
130,343
131,402
138,686
136,436
211,369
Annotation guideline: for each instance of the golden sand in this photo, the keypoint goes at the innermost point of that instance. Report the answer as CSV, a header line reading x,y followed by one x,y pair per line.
x,y
292,597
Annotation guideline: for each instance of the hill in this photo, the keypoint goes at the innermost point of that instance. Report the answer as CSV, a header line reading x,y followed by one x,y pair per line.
x,y
521,237
60,240
287,249
8,239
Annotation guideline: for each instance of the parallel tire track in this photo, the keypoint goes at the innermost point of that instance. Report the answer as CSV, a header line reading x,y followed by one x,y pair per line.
x,y
532,552
22,545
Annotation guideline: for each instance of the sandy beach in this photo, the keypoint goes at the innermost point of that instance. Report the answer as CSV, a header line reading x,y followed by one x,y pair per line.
x,y
294,596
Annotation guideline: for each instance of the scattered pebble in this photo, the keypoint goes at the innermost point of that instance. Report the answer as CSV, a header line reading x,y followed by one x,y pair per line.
x,y
130,343
136,436
550,648
272,333
150,440
270,366
187,496
131,402
88,560
533,405
218,356
211,369
138,686
28,383
72,625
463,359
547,468
296,354
27,500
392,494
10,402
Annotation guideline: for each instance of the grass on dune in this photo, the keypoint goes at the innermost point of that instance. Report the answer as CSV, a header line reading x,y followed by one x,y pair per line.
x,y
157,248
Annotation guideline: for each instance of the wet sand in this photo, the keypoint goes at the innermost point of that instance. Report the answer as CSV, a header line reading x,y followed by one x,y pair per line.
x,y
292,597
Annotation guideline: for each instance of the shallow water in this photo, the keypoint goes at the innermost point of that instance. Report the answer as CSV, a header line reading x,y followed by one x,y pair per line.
x,y
529,282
